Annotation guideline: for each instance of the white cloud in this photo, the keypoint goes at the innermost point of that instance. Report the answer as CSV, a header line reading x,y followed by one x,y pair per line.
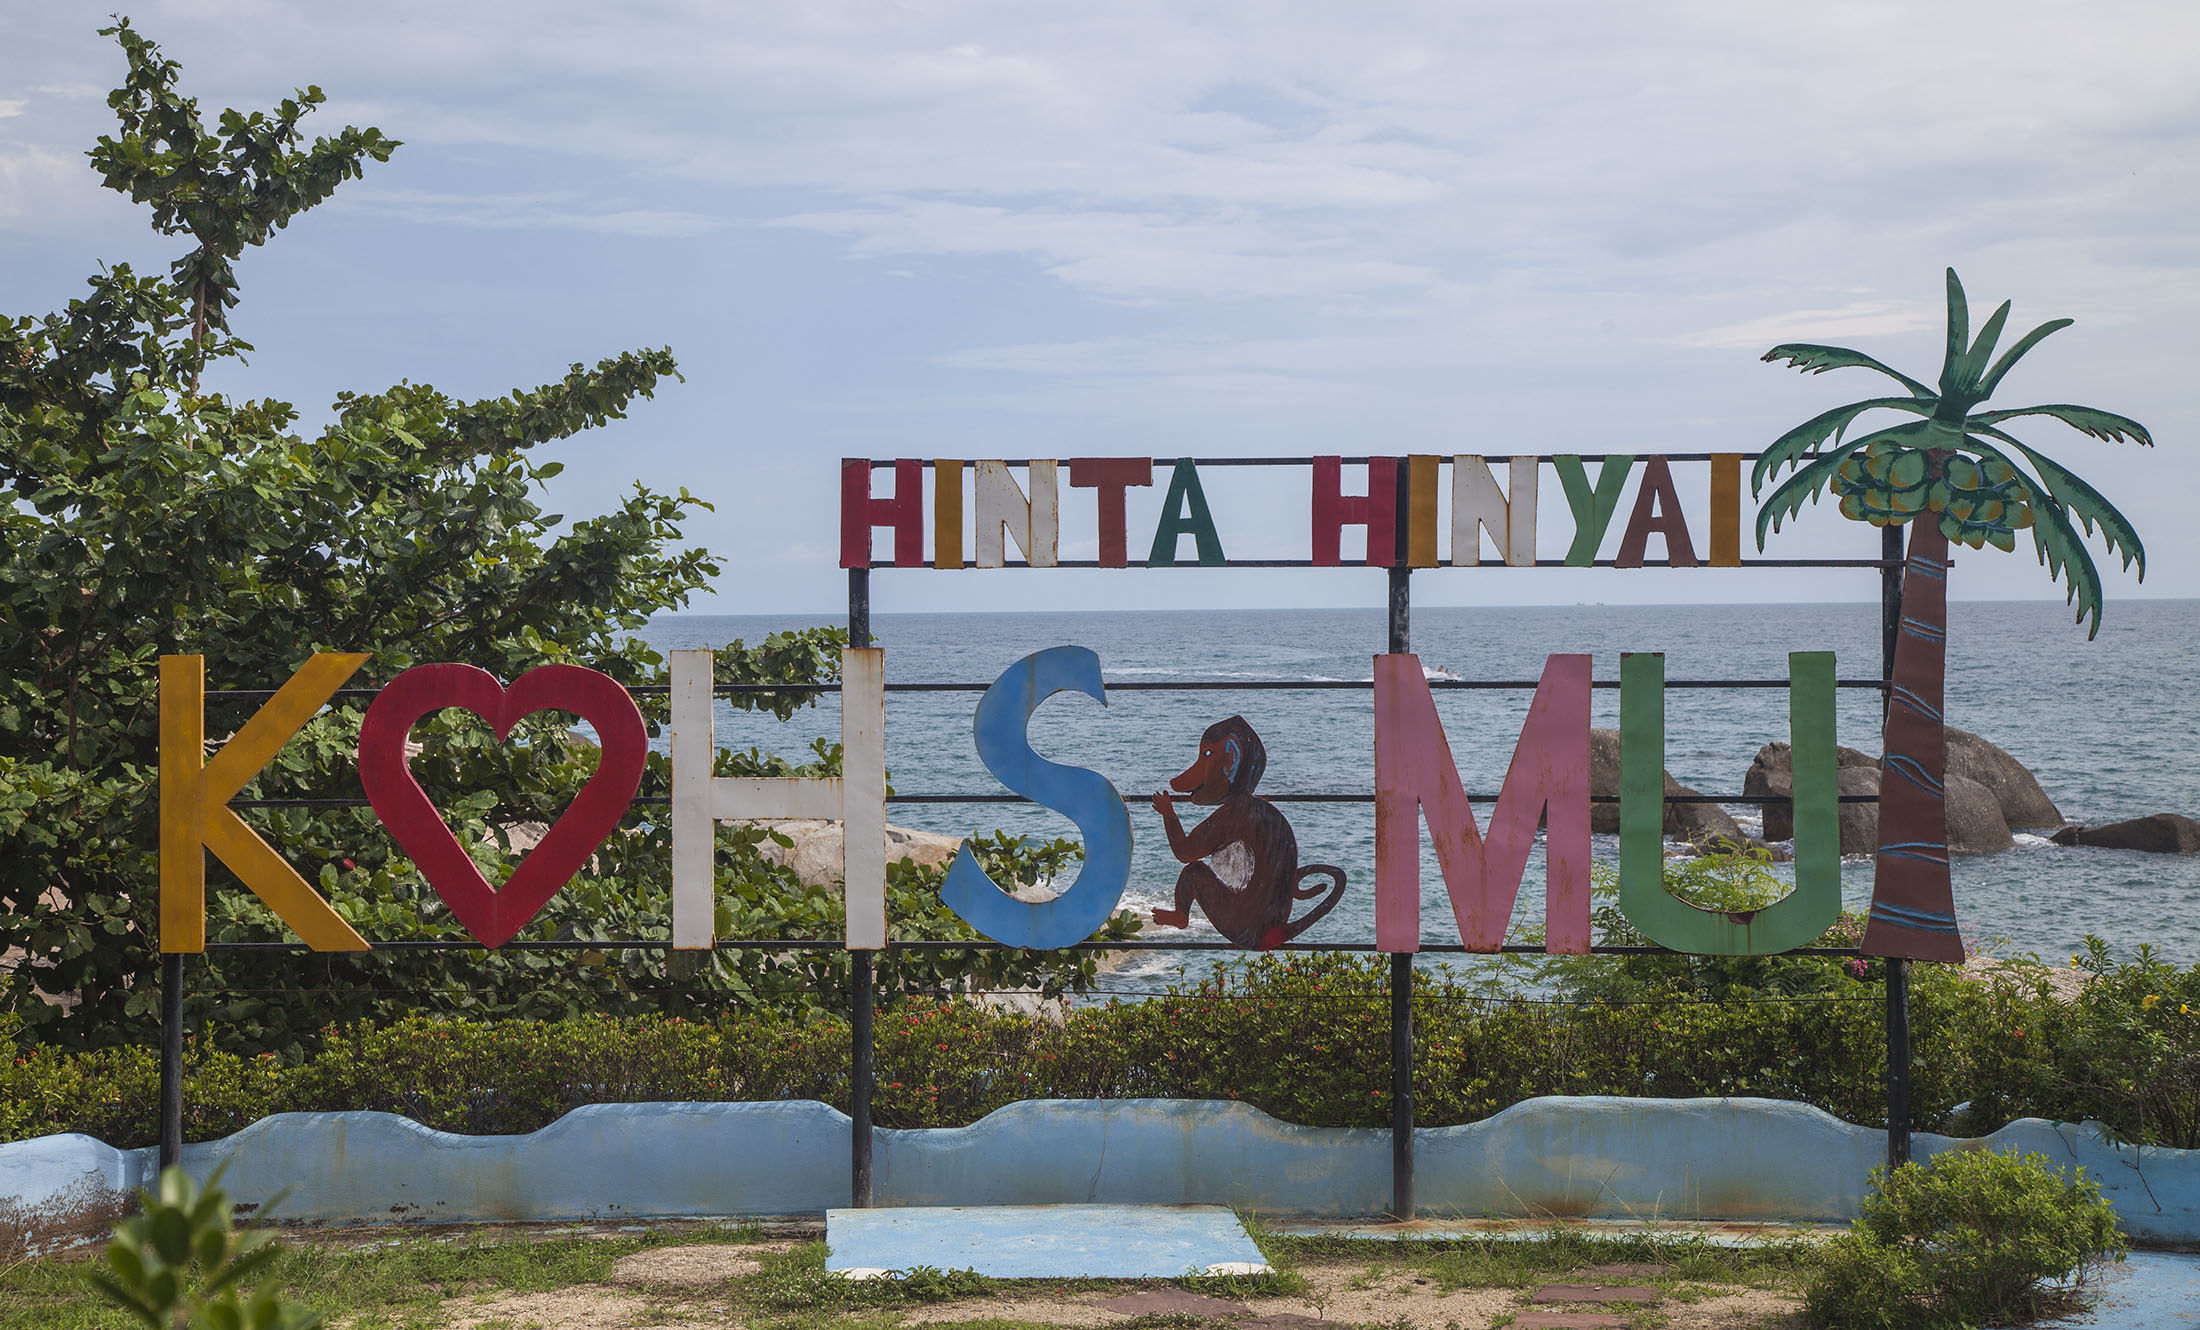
x,y
1859,319
511,211
979,222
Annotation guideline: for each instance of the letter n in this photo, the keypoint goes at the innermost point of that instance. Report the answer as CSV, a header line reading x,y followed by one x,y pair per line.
x,y
1414,773
195,791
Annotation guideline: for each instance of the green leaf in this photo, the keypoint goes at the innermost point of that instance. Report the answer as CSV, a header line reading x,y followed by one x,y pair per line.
x,y
2086,503
170,1231
2015,353
1789,447
1959,335
1974,361
1804,485
1814,359
2058,545
2103,425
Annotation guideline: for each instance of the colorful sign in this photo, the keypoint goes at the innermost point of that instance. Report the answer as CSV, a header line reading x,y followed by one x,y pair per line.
x,y
1241,865
1393,495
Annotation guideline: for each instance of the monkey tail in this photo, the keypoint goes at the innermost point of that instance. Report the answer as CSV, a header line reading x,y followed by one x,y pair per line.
x,y
1334,893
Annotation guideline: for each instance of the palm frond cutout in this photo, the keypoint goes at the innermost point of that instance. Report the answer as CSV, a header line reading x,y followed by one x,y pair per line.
x,y
1789,448
1973,366
1813,359
2104,425
1804,485
2087,504
2015,353
2058,545
1959,334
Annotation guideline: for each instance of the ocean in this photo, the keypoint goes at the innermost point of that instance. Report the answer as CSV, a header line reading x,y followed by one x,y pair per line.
x,y
2107,726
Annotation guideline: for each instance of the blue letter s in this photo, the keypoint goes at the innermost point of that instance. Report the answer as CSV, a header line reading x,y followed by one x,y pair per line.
x,y
1082,795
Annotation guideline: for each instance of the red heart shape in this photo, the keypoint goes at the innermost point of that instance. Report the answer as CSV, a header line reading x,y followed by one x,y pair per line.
x,y
494,915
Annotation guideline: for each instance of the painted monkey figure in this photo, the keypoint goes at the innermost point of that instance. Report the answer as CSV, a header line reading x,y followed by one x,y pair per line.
x,y
1241,865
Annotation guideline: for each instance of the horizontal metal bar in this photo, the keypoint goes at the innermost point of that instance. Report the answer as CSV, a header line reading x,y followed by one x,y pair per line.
x,y
1429,568
1146,686
887,463
980,944
1133,799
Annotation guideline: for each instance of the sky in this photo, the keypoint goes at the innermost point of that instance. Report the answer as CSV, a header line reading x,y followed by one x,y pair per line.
x,y
1180,229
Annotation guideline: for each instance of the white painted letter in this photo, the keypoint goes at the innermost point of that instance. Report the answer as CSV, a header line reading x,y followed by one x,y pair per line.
x,y
1035,523
1477,502
857,798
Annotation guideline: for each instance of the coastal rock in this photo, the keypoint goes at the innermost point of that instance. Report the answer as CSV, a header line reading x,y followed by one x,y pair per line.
x,y
1772,775
1983,786
2015,789
815,855
1859,822
1698,824
2159,833
1604,781
1975,823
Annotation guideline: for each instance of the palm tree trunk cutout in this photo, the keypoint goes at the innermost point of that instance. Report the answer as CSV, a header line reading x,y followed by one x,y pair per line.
x,y
1951,472
1913,911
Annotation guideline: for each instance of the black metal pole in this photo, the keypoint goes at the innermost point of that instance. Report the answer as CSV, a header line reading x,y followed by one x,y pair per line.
x,y
1401,1086
1401,964
1890,600
859,1115
171,1059
863,999
1898,968
1898,1061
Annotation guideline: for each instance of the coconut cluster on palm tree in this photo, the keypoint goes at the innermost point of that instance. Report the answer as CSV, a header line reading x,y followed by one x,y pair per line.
x,y
1953,473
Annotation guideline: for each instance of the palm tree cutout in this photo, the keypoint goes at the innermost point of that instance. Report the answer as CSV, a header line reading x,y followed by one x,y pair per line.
x,y
1957,468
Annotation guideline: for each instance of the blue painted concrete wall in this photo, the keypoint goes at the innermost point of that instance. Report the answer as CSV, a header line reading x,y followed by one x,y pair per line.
x,y
1670,1159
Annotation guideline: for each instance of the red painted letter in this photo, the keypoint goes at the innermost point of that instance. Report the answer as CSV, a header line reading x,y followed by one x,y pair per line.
x,y
1549,775
1377,510
1657,508
1111,476
859,512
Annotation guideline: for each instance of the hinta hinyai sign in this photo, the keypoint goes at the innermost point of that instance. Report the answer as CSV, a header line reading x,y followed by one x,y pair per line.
x,y
1241,847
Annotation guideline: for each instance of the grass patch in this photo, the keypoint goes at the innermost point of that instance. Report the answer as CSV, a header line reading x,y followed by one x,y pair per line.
x,y
399,1283
1495,1262
416,1279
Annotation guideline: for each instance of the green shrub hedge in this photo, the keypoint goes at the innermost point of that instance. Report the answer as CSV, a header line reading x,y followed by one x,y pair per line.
x,y
1970,1238
1304,1037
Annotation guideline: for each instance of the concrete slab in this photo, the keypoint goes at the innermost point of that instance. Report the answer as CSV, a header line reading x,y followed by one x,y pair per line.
x,y
1043,1241
2148,1290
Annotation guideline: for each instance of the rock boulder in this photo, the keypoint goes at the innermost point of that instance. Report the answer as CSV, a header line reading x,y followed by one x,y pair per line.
x,y
1772,775
1696,823
815,854
2160,833
2015,789
1976,823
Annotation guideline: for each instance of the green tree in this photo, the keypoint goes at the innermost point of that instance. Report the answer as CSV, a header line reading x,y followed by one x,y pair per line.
x,y
152,515
1970,481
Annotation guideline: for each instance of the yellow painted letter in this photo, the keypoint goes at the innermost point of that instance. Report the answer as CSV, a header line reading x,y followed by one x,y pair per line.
x,y
194,803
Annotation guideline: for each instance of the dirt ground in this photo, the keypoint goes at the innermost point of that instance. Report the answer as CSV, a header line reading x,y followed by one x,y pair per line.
x,y
690,1287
